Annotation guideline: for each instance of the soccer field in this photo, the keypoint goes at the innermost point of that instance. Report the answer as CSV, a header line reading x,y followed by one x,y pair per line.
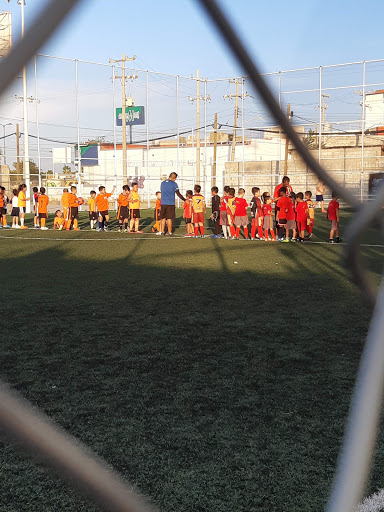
x,y
210,385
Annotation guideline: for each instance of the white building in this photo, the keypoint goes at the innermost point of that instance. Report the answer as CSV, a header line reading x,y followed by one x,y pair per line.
x,y
151,167
374,109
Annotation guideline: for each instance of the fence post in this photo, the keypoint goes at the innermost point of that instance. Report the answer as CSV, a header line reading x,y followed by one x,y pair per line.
x,y
37,123
147,128
242,130
78,130
362,138
114,129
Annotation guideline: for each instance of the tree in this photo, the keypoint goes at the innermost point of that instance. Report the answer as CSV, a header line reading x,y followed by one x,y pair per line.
x,y
310,140
67,169
33,173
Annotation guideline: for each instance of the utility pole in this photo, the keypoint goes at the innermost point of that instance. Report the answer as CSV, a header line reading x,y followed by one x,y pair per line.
x,y
25,119
236,96
214,152
198,127
123,77
198,99
17,149
287,142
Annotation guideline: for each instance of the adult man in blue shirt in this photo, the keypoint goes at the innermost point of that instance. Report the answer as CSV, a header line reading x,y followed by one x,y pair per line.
x,y
168,189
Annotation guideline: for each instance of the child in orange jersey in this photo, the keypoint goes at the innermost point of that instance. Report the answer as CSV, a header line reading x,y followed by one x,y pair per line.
x,y
134,209
156,226
102,207
311,213
22,202
6,203
267,214
122,211
73,203
241,217
256,214
199,209
92,209
64,202
43,202
187,214
59,222
301,215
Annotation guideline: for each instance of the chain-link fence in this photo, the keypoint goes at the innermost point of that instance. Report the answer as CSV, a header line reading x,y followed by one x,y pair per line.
x,y
337,111
347,177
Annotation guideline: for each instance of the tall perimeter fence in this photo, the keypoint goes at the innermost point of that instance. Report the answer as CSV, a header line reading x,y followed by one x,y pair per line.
x,y
337,110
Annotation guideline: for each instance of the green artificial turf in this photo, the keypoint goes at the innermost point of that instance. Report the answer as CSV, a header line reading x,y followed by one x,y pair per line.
x,y
211,386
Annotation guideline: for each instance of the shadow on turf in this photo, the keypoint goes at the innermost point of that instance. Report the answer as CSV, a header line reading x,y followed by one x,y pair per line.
x,y
210,390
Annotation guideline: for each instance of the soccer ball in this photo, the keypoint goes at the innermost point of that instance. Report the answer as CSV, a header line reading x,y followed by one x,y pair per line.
x,y
80,200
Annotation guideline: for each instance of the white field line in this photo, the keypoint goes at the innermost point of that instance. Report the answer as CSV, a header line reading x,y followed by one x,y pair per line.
x,y
135,238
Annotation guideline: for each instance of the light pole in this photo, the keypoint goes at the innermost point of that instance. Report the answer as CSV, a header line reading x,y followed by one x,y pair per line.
x,y
4,125
26,171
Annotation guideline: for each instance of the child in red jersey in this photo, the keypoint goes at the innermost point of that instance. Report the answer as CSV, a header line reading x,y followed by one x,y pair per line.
x,y
241,217
291,219
311,212
187,214
256,214
282,205
224,222
231,209
267,214
334,217
301,215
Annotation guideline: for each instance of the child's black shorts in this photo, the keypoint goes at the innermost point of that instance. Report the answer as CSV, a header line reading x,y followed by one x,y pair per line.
x,y
73,213
188,221
122,213
92,215
15,211
43,215
135,214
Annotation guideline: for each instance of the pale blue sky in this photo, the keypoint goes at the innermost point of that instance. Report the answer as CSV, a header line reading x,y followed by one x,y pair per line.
x,y
174,36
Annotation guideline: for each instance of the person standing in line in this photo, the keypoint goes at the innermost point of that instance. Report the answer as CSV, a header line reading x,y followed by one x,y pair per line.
x,y
168,190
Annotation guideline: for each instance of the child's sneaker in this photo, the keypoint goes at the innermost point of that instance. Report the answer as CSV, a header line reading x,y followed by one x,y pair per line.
x,y
202,236
284,240
139,232
196,236
253,239
293,240
331,241
44,229
23,227
338,239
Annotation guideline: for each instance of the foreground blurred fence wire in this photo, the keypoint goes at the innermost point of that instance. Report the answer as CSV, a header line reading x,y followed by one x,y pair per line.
x,y
33,432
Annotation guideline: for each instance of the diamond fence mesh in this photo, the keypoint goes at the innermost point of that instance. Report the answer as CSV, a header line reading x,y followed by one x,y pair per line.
x,y
331,137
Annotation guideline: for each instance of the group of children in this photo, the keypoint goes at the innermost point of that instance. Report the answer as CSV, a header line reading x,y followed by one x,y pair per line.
x,y
292,220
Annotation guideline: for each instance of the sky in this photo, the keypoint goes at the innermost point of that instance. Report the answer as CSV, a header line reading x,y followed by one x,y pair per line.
x,y
176,37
